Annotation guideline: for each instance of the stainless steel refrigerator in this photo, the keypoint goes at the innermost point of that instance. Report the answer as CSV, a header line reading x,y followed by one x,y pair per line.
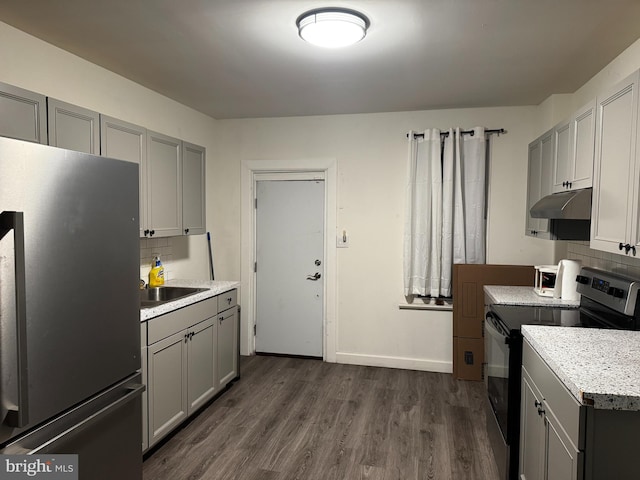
x,y
69,308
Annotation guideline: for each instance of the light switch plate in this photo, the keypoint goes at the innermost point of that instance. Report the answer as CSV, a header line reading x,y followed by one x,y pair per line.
x,y
342,240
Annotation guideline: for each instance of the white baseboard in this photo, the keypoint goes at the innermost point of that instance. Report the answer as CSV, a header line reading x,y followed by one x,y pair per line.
x,y
395,362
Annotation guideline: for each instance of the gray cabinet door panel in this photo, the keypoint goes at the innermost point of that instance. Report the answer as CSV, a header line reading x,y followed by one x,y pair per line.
x,y
227,346
73,127
164,195
193,189
23,114
126,141
201,381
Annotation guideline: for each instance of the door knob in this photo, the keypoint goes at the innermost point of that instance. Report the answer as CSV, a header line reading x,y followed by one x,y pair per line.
x,y
314,277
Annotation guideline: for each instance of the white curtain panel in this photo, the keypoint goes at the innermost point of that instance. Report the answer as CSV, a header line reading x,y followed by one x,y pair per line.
x,y
445,201
423,216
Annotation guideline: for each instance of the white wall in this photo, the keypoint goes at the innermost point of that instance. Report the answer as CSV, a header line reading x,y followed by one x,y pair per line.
x,y
371,153
34,65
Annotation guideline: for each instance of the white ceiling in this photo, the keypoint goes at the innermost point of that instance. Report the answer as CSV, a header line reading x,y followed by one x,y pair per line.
x,y
243,58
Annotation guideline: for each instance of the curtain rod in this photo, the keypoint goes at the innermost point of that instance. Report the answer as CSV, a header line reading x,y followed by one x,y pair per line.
x,y
497,131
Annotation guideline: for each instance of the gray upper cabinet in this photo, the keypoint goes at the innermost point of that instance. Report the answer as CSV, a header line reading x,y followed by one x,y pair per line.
x,y
540,164
73,127
164,185
193,189
126,141
23,114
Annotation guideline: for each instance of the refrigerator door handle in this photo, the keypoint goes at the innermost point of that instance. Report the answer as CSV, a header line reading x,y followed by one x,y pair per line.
x,y
133,391
18,417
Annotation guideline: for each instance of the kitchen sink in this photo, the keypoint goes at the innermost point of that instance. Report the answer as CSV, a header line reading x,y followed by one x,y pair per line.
x,y
152,297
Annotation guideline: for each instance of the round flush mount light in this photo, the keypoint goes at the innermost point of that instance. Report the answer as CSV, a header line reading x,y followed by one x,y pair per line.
x,y
332,27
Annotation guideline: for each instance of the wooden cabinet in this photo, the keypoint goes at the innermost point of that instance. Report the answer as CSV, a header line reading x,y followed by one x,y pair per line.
x,y
23,114
73,127
540,164
164,185
615,205
574,147
126,141
193,189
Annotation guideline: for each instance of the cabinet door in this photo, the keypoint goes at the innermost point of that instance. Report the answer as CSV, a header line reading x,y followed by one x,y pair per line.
x,y
534,173
563,146
73,127
201,364
126,141
164,194
23,114
193,189
145,401
167,363
583,146
615,178
562,456
227,346
539,182
532,433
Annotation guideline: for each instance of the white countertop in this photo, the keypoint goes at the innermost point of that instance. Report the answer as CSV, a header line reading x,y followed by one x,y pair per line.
x,y
216,287
524,296
600,367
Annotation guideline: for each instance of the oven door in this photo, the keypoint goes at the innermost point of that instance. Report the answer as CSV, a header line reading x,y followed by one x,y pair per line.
x,y
496,350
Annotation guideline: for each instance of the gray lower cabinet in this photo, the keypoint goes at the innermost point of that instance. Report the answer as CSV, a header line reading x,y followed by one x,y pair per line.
x,y
228,337
23,114
562,439
189,355
73,127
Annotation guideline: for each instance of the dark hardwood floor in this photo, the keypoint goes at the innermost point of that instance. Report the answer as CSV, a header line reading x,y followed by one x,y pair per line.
x,y
290,418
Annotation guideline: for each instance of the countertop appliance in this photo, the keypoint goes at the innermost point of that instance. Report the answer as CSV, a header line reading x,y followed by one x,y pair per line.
x,y
545,281
69,309
608,300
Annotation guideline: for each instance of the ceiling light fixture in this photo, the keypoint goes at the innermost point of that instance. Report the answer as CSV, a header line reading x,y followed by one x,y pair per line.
x,y
332,27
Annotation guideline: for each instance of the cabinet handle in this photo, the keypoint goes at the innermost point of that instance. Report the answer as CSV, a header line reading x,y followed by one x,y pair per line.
x,y
620,246
564,184
633,250
627,247
186,337
146,232
229,301
537,404
186,230
152,232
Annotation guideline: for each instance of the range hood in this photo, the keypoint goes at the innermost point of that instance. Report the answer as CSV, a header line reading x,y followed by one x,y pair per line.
x,y
569,214
575,205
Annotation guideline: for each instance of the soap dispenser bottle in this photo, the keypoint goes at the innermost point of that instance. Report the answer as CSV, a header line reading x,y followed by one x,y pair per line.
x,y
156,275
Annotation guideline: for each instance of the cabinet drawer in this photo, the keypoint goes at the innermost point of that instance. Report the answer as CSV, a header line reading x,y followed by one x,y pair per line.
x,y
564,406
227,300
173,322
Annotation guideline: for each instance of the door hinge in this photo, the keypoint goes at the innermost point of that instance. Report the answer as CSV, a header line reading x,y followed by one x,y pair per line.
x,y
254,329
255,267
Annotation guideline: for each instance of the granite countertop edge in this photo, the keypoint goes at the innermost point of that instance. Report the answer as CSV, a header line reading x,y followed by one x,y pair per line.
x,y
215,287
524,296
581,358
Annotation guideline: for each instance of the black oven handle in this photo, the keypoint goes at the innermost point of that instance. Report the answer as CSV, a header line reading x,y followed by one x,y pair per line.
x,y
495,329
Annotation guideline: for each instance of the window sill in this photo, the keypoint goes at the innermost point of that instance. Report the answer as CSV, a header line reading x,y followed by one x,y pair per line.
x,y
428,304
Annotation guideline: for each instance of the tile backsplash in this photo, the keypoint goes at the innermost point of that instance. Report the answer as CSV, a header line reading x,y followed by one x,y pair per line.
x,y
626,265
149,248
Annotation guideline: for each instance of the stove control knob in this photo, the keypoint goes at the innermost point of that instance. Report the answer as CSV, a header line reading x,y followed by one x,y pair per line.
x,y
582,279
618,293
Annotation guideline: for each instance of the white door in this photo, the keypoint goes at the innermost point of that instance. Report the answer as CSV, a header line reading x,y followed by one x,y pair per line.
x,y
289,266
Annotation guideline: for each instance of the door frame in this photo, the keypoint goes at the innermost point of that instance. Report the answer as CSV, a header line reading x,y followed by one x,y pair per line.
x,y
252,171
